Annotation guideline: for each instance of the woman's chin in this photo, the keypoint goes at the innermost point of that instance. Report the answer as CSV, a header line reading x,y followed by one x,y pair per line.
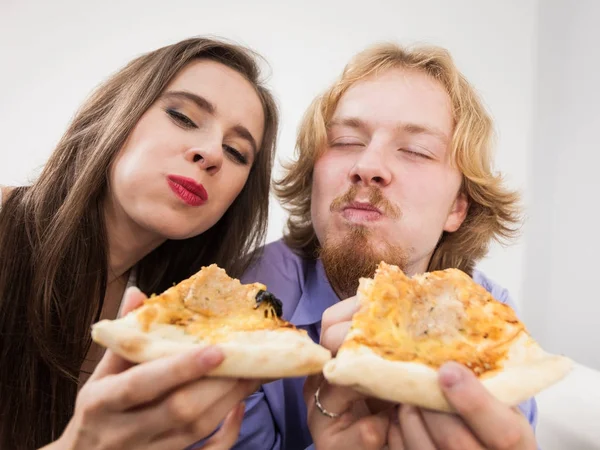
x,y
175,231
171,226
178,235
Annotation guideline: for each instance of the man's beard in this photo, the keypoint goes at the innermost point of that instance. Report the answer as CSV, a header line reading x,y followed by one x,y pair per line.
x,y
350,255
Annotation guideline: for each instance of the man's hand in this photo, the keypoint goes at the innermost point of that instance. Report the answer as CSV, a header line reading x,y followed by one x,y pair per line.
x,y
353,425
336,322
481,421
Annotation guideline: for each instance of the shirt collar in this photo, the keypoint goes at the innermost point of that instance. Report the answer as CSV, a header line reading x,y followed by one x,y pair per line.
x,y
317,296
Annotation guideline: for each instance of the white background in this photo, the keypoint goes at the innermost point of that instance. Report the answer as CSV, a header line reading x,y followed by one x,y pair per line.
x,y
534,62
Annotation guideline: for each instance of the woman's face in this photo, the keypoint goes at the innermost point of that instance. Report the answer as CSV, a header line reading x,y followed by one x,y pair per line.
x,y
190,154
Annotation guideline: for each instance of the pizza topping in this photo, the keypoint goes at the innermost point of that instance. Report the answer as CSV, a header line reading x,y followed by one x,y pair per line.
x,y
213,292
212,305
439,316
433,318
267,298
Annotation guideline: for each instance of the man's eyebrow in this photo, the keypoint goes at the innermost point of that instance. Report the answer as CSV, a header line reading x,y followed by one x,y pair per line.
x,y
413,128
198,100
350,122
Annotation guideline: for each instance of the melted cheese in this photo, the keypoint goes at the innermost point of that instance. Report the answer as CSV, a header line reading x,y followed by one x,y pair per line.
x,y
433,318
211,305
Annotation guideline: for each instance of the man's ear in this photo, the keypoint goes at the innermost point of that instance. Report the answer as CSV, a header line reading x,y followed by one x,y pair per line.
x,y
457,214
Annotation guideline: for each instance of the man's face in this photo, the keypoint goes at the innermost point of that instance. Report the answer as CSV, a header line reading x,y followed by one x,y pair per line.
x,y
384,187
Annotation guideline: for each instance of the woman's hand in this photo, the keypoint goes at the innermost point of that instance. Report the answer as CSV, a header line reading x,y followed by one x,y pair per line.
x,y
162,404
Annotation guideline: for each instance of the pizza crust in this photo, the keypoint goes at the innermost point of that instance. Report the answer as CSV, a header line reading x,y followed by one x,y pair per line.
x,y
266,354
527,371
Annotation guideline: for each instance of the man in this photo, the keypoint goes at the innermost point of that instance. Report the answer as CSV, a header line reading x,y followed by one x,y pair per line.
x,y
393,164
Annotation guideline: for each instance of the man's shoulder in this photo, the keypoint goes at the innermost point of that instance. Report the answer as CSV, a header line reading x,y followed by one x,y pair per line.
x,y
281,270
277,249
498,292
275,256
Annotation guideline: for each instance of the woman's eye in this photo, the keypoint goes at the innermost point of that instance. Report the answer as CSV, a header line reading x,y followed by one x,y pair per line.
x,y
235,154
181,119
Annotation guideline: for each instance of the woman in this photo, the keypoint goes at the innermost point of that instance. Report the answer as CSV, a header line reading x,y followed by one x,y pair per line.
x,y
164,169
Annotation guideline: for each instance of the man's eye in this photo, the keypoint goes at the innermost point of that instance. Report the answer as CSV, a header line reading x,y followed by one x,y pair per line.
x,y
413,154
345,144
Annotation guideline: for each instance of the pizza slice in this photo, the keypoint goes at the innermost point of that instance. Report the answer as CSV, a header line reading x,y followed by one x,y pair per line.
x,y
406,328
244,320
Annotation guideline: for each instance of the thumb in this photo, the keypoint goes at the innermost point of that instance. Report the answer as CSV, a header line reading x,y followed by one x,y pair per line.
x,y
463,390
488,418
111,363
132,299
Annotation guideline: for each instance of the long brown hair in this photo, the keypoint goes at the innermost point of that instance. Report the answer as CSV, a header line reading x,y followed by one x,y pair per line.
x,y
53,242
493,209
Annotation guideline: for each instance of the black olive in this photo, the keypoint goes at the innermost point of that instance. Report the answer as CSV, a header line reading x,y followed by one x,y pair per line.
x,y
274,302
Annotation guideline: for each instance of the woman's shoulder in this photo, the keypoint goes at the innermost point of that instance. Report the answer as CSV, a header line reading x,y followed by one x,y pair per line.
x,y
4,192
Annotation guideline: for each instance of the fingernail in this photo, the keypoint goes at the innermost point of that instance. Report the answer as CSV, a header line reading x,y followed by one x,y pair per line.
x,y
133,290
210,356
451,374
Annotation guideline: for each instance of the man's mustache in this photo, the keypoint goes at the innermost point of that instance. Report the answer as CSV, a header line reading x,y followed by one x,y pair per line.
x,y
376,198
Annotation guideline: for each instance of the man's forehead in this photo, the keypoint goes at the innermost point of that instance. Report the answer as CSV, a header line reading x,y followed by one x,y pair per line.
x,y
397,97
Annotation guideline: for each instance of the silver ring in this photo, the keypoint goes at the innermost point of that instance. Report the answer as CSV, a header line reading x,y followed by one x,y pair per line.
x,y
323,410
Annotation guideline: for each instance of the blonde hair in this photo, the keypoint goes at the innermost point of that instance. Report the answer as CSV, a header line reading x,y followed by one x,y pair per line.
x,y
493,209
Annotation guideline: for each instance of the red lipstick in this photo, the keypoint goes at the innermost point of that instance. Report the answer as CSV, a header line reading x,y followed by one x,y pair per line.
x,y
188,190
